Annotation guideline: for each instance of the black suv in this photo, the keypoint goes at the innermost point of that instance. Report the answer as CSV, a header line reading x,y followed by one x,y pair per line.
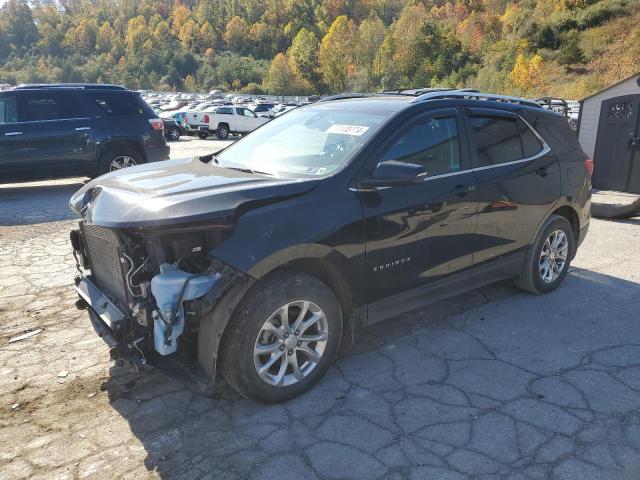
x,y
64,130
258,260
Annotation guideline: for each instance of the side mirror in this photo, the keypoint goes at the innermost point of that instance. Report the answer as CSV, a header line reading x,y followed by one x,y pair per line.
x,y
393,173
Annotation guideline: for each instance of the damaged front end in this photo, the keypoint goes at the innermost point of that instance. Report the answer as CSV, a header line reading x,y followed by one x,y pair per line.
x,y
151,291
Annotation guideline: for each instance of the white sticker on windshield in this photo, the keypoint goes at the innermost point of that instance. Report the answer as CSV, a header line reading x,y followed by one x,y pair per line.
x,y
355,130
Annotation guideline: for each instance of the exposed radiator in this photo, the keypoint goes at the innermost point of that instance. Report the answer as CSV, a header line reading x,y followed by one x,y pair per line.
x,y
104,256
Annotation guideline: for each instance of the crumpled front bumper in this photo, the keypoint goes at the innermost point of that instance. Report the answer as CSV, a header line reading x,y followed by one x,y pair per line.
x,y
109,322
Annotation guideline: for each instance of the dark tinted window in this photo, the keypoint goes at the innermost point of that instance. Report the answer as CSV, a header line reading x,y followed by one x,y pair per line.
x,y
39,106
530,144
224,111
118,103
433,144
8,109
497,139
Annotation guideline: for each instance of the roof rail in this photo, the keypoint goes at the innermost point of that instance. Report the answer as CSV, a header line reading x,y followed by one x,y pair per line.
x,y
85,86
345,96
474,95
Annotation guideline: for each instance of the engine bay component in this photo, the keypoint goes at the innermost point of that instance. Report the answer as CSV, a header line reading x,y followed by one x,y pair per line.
x,y
170,288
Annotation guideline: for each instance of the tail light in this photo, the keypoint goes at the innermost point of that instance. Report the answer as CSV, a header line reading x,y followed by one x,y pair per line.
x,y
588,164
206,119
156,123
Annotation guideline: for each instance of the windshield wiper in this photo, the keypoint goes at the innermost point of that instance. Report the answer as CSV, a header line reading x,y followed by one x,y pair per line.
x,y
247,170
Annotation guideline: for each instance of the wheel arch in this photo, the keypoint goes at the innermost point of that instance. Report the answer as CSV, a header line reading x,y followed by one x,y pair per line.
x,y
322,262
571,215
120,142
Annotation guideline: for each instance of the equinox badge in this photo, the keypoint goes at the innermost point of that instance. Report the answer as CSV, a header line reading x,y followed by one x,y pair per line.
x,y
393,263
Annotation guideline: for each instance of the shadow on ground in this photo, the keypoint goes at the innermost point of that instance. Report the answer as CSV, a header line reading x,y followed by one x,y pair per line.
x,y
32,203
479,386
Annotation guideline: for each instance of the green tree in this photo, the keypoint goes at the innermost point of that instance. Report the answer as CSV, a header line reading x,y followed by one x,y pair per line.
x,y
18,26
303,56
570,53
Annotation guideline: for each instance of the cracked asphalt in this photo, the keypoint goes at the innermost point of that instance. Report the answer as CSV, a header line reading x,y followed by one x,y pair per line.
x,y
494,384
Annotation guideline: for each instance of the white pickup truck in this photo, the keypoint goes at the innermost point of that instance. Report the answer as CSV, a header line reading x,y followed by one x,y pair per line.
x,y
222,121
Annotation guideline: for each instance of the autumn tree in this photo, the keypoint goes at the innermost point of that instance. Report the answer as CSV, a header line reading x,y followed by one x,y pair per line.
x,y
206,37
281,76
527,76
370,36
236,33
335,53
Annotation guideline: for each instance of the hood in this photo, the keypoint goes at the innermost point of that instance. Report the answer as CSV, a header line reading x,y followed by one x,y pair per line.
x,y
176,191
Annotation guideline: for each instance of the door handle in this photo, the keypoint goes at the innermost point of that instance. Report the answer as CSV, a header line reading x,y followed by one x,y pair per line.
x,y
12,134
462,190
543,171
81,129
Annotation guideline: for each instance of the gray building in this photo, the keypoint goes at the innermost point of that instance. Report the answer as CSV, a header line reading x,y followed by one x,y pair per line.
x,y
609,132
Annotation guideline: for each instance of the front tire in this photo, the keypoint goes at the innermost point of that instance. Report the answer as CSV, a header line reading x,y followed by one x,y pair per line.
x,y
282,338
548,259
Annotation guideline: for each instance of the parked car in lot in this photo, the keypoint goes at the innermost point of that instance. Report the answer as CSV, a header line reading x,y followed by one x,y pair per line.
x,y
223,121
49,131
263,110
173,129
258,261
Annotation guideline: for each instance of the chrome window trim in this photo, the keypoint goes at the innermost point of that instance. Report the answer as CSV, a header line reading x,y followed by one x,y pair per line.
x,y
546,149
47,121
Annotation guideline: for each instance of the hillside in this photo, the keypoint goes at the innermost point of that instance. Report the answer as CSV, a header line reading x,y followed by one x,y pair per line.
x,y
567,48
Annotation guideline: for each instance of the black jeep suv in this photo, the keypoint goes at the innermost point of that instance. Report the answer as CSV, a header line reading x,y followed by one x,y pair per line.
x,y
63,130
258,260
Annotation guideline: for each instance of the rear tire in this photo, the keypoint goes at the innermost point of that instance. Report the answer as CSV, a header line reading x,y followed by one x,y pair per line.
x,y
222,131
118,158
269,319
203,135
549,258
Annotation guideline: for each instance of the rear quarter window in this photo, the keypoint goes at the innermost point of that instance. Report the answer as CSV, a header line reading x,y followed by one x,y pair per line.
x,y
531,145
119,103
555,130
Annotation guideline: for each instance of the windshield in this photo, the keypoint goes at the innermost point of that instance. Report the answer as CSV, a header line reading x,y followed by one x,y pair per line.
x,y
313,141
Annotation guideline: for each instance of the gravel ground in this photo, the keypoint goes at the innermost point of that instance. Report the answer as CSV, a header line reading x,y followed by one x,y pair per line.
x,y
495,384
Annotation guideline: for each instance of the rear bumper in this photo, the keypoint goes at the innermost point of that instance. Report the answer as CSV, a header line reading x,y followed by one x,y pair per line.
x,y
158,154
196,128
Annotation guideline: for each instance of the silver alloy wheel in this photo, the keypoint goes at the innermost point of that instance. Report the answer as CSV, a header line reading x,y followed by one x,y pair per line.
x,y
120,162
291,343
553,256
174,134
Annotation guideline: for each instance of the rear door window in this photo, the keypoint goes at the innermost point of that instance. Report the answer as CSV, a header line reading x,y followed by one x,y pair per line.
x,y
118,103
497,139
45,106
8,109
224,111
